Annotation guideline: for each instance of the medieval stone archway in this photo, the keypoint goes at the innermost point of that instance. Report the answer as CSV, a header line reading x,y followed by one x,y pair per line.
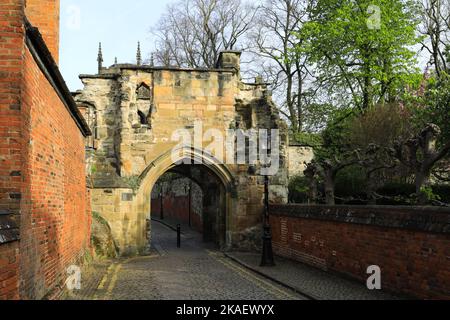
x,y
130,156
188,157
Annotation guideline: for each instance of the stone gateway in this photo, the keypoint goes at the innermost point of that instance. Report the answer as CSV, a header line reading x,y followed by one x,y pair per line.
x,y
133,112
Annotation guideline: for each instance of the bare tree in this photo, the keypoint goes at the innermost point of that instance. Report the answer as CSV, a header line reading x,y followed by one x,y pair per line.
x,y
436,29
191,33
273,41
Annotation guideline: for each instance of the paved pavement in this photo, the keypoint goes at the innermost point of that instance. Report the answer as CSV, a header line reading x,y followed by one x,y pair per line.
x,y
194,272
310,281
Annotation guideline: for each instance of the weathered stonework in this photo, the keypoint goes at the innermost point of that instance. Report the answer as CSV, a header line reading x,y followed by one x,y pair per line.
x,y
136,109
299,156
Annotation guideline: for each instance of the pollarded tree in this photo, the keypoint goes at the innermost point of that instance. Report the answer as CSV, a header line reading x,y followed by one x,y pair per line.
x,y
363,140
432,105
327,169
421,154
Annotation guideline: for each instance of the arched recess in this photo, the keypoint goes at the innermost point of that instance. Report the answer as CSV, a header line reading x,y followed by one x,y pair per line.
x,y
171,159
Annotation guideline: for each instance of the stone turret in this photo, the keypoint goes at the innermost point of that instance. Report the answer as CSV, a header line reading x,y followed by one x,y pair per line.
x,y
229,60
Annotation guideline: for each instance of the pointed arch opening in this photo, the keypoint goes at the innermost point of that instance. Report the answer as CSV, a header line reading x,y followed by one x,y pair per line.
x,y
207,212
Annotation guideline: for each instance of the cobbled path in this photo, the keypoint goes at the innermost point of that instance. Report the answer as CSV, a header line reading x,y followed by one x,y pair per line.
x,y
196,271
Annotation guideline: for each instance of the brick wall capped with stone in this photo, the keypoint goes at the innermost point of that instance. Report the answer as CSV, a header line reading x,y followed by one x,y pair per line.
x,y
44,14
11,46
411,245
55,217
44,203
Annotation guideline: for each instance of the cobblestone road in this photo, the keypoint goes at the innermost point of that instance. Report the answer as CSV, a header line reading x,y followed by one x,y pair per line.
x,y
193,272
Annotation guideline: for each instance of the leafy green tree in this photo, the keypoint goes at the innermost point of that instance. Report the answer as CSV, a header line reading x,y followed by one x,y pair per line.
x,y
435,105
362,48
432,105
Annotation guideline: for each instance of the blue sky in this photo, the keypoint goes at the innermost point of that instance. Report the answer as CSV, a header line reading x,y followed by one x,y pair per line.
x,y
118,24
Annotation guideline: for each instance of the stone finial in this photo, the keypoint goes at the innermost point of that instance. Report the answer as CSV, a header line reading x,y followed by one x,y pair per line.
x,y
100,58
115,60
138,55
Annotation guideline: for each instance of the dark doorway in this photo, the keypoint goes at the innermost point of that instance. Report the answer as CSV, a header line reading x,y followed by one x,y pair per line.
x,y
193,196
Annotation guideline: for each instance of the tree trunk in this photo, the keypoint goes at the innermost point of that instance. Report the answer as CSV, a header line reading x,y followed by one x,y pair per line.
x,y
370,189
367,97
312,192
367,81
329,189
290,104
299,97
422,181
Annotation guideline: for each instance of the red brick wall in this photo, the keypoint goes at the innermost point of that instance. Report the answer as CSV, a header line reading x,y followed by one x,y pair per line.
x,y
42,162
413,262
177,209
11,47
9,271
44,14
55,219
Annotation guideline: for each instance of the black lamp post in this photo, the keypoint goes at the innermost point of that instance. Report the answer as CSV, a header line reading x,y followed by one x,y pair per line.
x,y
161,211
267,252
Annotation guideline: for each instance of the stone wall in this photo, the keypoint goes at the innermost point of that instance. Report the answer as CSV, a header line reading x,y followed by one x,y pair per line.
x,y
299,156
410,244
116,207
